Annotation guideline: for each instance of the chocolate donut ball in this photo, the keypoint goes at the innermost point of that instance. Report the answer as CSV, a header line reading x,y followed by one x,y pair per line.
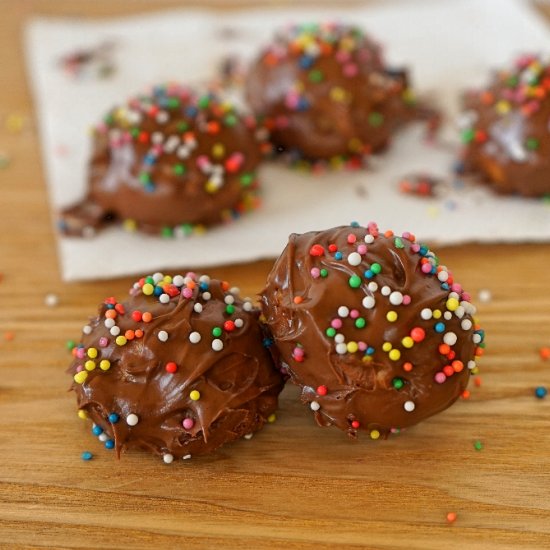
x,y
505,129
373,329
179,369
168,162
325,92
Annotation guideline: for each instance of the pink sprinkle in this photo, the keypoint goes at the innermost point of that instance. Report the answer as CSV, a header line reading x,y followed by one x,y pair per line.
x,y
188,423
455,287
466,296
351,238
79,368
187,293
202,162
426,268
80,353
415,247
362,249
342,56
336,323
406,235
350,70
298,352
315,272
103,342
354,313
440,377
406,300
362,346
282,121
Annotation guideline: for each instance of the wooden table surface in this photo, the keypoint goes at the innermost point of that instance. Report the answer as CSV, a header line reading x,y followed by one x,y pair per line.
x,y
293,485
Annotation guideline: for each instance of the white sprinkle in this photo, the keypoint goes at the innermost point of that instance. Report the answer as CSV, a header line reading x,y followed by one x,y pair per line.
x,y
426,314
454,295
162,335
443,276
229,299
339,338
369,239
88,232
343,311
168,458
157,277
194,337
239,323
341,349
51,300
354,258
217,344
178,280
466,324
186,457
164,298
249,436
459,312
396,298
206,296
197,308
368,302
484,295
450,338
314,406
447,315
115,331
204,279
132,419
476,338
235,290
471,364
103,437
386,290
87,329
247,306
162,117
409,406
372,286
179,232
109,323
157,138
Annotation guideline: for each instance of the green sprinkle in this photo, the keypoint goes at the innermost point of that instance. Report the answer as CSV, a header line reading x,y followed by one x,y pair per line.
x,y
203,102
532,143
150,280
179,169
144,177
512,81
376,268
230,309
397,383
167,232
468,135
355,281
173,103
187,228
183,126
109,119
398,243
376,119
330,332
134,132
216,332
360,322
230,119
324,272
70,344
315,75
247,179
478,445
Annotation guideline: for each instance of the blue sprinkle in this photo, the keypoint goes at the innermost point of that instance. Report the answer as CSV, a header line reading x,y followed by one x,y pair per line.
x,y
423,250
114,418
149,187
369,351
354,224
303,104
158,291
110,306
368,274
338,256
306,61
267,342
459,167
109,444
87,455
191,111
439,327
445,286
149,160
203,286
97,430
541,392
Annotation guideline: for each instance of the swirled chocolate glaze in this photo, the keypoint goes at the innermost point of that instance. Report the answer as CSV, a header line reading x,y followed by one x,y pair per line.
x,y
170,161
376,333
179,369
324,92
505,129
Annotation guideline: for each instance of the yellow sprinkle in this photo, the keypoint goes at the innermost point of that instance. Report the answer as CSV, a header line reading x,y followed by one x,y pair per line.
x,y
407,342
89,365
105,364
475,370
337,94
79,377
271,418
395,355
195,395
409,96
167,279
352,347
218,150
374,434
199,229
452,304
121,340
391,316
502,107
211,187
92,353
82,414
130,225
15,123
355,145
386,346
367,358
436,313
148,289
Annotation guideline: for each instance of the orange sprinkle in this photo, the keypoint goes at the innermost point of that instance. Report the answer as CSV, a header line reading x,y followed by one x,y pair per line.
x,y
225,285
9,336
407,367
544,353
138,333
457,365
130,334
191,284
444,349
479,352
110,314
477,381
298,299
388,233
147,317
465,394
451,517
120,309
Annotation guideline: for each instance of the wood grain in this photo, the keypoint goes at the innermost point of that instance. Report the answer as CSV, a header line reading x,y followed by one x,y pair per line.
x,y
293,485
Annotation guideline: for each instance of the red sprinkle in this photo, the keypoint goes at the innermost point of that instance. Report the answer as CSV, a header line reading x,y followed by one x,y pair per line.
x,y
317,250
229,326
171,367
136,316
322,390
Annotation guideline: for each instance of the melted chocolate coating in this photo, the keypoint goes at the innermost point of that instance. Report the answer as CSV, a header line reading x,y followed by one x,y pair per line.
x,y
505,130
230,368
325,92
328,303
169,159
